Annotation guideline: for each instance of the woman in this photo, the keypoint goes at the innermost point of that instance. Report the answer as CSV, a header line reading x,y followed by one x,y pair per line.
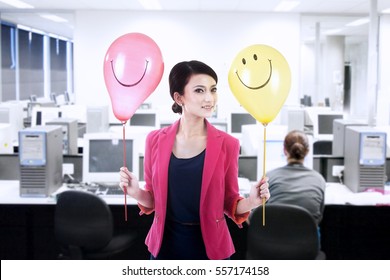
x,y
294,183
191,175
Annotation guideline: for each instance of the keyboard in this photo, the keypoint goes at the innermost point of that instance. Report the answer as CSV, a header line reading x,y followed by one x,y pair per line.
x,y
107,189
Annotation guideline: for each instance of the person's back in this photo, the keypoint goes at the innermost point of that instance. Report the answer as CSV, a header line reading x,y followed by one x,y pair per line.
x,y
294,183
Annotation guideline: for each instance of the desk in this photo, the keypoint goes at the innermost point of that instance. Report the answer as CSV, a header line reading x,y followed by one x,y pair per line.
x,y
9,194
347,231
27,225
356,225
338,194
351,232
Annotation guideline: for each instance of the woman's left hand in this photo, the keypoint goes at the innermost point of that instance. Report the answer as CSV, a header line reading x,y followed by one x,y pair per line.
x,y
259,192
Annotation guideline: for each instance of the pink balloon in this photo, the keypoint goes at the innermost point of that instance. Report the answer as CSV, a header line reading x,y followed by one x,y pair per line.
x,y
133,68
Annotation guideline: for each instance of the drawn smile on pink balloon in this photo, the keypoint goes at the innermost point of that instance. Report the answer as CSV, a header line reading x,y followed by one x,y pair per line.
x,y
260,86
129,85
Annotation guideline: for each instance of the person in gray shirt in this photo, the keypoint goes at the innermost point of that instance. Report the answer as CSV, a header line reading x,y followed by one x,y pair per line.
x,y
294,183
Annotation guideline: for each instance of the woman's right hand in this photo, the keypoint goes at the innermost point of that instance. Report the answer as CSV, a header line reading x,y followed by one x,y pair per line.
x,y
129,181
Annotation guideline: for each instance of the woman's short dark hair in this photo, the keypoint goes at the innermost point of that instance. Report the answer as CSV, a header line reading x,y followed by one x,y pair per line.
x,y
296,144
181,74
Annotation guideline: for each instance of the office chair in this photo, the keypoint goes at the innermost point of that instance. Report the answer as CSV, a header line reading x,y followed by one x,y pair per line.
x,y
84,227
289,233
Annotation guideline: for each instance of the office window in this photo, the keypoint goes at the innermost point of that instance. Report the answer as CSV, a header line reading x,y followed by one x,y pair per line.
x,y
23,56
8,62
58,74
31,73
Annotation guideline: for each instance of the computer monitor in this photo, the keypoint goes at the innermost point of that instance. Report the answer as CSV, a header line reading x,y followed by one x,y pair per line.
x,y
73,111
237,120
53,97
296,119
97,119
247,167
41,115
33,98
103,155
275,156
67,97
323,124
250,139
12,113
145,119
306,100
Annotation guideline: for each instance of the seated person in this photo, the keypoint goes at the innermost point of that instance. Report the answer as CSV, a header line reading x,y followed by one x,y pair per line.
x,y
294,183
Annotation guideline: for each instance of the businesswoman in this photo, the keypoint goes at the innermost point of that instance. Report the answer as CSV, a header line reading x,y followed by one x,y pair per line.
x,y
191,175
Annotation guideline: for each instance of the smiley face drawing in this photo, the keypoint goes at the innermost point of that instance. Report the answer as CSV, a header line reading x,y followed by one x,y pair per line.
x,y
260,79
132,84
133,68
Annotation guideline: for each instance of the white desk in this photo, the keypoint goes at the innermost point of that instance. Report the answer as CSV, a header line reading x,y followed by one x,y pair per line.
x,y
338,194
335,194
9,194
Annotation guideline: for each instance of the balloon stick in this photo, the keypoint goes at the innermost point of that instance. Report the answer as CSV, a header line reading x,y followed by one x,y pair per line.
x,y
124,164
264,156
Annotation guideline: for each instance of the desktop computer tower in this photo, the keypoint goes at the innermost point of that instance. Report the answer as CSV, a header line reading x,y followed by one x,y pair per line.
x,y
6,145
97,119
69,133
40,159
365,158
339,127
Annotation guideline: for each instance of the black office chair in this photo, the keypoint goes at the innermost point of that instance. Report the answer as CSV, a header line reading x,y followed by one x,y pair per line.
x,y
84,227
289,233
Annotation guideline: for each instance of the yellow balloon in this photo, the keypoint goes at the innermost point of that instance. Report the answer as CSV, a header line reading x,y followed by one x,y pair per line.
x,y
260,79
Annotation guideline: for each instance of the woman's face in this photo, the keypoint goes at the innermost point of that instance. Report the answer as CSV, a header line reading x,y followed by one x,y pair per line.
x,y
200,96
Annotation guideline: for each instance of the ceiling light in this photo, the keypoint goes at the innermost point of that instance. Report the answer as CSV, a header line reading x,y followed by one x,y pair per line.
x,y
17,4
286,6
150,4
53,18
359,22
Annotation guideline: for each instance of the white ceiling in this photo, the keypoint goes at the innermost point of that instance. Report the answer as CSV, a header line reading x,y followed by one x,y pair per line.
x,y
316,11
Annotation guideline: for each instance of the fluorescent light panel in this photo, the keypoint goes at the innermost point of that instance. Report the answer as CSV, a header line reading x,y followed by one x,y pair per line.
x,y
286,6
53,18
17,4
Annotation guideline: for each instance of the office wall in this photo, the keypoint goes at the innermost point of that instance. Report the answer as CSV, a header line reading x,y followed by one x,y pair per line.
x,y
334,71
213,37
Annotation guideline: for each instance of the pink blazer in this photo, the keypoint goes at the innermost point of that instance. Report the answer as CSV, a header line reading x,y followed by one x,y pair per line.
x,y
219,193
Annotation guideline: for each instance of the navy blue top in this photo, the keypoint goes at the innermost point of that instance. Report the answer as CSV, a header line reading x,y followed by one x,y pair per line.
x,y
184,185
182,233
